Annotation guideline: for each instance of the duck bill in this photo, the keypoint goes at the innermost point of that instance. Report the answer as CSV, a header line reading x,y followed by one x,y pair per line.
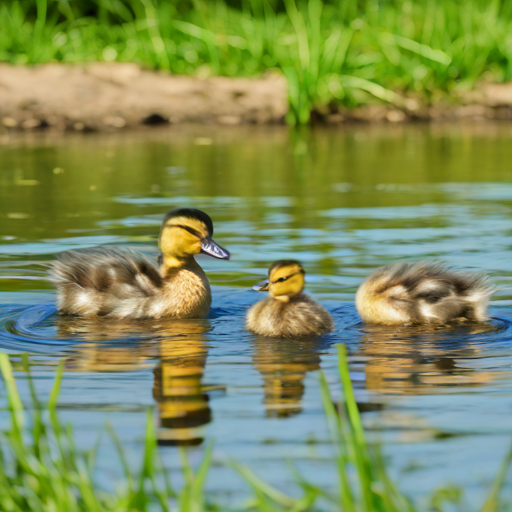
x,y
211,247
261,286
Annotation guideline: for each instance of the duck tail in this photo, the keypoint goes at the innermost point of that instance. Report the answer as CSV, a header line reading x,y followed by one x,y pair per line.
x,y
478,295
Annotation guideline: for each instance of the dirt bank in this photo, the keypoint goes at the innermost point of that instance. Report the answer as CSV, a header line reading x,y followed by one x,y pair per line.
x,y
104,96
487,102
112,96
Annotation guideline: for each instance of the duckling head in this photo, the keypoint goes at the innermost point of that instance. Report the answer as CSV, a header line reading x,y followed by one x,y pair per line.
x,y
285,280
186,232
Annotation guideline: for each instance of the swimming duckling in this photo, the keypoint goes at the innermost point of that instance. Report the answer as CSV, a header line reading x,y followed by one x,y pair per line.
x,y
422,293
287,312
119,283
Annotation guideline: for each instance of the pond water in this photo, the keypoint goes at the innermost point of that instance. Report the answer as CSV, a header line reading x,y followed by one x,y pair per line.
x,y
343,201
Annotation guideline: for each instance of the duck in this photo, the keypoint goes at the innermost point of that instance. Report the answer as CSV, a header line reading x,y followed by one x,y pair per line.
x,y
287,312
120,283
423,293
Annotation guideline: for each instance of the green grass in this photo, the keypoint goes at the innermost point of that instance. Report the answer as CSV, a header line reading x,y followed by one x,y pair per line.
x,y
42,470
342,52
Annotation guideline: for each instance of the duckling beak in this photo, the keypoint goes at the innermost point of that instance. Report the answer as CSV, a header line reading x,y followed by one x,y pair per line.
x,y
261,286
211,247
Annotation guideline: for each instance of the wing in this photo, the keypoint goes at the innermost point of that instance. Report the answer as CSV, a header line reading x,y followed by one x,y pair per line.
x,y
104,274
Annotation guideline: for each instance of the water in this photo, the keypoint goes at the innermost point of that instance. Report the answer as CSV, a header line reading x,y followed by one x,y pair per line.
x,y
343,201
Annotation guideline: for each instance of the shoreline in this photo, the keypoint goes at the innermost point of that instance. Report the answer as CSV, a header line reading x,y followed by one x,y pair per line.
x,y
103,97
112,96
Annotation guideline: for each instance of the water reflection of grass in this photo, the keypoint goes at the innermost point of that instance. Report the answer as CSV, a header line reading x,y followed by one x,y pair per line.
x,y
42,470
350,53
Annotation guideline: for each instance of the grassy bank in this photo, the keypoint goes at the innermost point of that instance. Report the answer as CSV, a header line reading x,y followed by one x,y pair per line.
x,y
338,53
42,470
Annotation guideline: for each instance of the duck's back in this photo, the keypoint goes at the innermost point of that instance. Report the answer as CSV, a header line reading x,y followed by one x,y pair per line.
x,y
301,316
422,292
123,284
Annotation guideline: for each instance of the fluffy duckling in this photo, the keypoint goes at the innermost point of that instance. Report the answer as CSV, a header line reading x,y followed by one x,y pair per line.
x,y
119,283
287,312
422,293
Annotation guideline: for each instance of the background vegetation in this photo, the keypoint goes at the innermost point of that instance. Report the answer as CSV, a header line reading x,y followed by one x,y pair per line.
x,y
337,52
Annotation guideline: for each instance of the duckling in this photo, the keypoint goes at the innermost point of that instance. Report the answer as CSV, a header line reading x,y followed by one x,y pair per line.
x,y
119,283
422,293
287,312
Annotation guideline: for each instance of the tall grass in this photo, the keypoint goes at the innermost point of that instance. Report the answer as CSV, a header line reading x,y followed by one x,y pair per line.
x,y
41,469
348,53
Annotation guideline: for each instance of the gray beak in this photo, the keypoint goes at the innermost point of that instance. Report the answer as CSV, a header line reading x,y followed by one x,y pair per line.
x,y
261,286
211,247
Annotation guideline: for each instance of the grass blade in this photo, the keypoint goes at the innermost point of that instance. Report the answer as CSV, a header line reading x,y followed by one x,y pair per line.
x,y
13,396
120,453
335,427
54,395
263,488
492,501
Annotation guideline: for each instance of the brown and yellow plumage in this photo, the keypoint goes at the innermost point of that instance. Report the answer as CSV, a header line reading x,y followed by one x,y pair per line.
x,y
287,311
422,293
120,283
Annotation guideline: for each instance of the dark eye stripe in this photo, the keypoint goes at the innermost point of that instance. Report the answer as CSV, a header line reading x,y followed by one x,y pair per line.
x,y
192,231
282,279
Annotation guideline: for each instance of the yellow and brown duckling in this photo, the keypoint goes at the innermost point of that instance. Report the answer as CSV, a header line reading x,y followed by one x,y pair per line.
x,y
287,311
422,293
119,283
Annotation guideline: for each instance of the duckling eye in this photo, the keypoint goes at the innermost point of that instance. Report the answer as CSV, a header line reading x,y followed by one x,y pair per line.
x,y
280,280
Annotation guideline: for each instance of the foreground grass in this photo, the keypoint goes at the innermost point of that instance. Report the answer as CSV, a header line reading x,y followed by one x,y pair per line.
x,y
348,53
41,470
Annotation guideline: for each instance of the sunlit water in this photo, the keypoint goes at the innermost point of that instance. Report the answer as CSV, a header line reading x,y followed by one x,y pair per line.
x,y
341,201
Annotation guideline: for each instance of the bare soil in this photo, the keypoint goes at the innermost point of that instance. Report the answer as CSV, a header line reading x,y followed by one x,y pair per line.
x,y
109,96
113,96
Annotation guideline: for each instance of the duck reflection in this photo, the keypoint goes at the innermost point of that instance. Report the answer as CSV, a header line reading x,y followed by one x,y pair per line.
x,y
181,349
421,360
283,365
178,391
